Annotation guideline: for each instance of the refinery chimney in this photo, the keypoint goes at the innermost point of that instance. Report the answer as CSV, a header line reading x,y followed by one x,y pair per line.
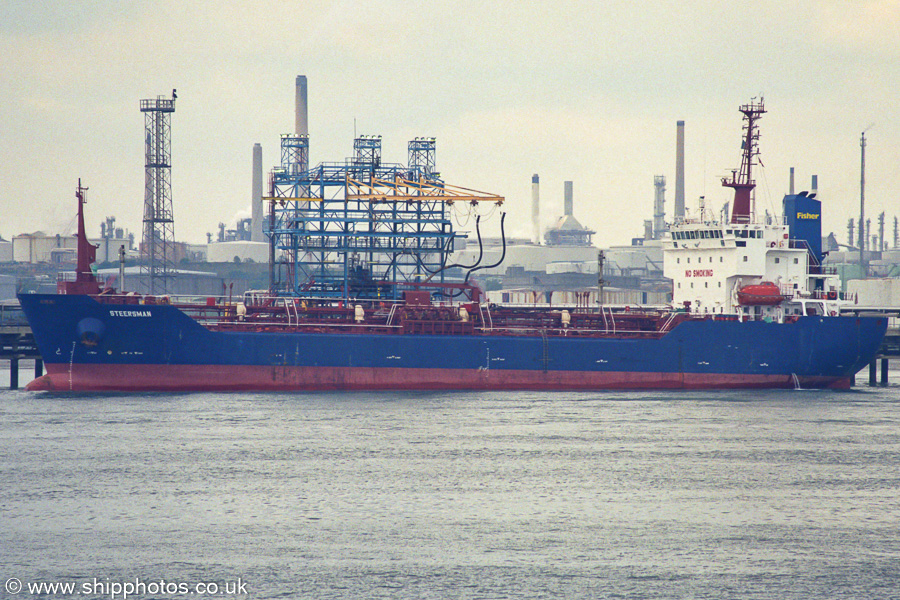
x,y
535,209
301,120
567,199
659,206
679,171
256,206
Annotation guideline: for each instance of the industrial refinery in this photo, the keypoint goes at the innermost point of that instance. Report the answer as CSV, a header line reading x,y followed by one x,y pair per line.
x,y
562,262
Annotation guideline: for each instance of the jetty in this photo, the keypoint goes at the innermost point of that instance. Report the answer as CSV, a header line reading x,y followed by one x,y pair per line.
x,y
17,343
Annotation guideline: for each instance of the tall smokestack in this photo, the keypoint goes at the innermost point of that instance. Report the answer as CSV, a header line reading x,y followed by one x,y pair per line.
x,y
567,199
535,209
301,117
791,183
659,210
862,196
256,207
815,185
679,171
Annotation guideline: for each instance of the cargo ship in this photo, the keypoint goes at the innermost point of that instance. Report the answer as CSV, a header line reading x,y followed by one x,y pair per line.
x,y
360,299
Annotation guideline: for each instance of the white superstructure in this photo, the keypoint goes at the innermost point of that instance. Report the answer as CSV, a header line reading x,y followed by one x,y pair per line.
x,y
710,262
743,267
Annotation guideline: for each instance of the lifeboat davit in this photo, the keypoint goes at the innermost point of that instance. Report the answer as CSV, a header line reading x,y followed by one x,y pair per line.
x,y
760,294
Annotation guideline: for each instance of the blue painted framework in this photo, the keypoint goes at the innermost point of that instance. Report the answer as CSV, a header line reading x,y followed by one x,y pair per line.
x,y
329,243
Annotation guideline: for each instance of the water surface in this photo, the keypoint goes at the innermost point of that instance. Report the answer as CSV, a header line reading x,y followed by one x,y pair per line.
x,y
775,494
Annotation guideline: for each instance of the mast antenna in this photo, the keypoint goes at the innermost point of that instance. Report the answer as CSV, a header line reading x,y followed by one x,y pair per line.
x,y
741,180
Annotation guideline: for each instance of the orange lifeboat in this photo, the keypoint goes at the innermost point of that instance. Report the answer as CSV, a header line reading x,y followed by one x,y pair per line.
x,y
760,294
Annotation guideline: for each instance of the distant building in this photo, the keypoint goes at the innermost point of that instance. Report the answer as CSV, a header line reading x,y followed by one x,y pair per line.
x,y
7,287
180,251
112,239
241,251
6,251
881,292
184,283
522,254
38,247
568,231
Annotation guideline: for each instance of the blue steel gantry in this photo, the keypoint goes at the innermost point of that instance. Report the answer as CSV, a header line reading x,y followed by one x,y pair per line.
x,y
362,228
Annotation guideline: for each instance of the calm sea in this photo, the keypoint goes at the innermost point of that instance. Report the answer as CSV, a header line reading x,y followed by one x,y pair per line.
x,y
775,494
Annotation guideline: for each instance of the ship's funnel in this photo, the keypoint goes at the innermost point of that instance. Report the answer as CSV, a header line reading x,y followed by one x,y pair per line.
x,y
803,216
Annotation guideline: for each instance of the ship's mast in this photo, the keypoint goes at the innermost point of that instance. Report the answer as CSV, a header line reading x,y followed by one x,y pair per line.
x,y
85,282
741,180
86,251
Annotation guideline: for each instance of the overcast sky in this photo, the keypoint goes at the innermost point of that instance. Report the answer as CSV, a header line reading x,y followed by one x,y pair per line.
x,y
581,91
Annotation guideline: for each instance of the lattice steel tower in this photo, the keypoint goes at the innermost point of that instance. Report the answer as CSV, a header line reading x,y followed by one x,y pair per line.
x,y
422,156
158,266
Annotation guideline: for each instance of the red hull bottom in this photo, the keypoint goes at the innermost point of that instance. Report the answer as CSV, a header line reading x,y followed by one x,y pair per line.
x,y
122,378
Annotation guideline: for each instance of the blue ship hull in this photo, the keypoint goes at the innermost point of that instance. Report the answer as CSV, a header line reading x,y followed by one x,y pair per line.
x,y
87,345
